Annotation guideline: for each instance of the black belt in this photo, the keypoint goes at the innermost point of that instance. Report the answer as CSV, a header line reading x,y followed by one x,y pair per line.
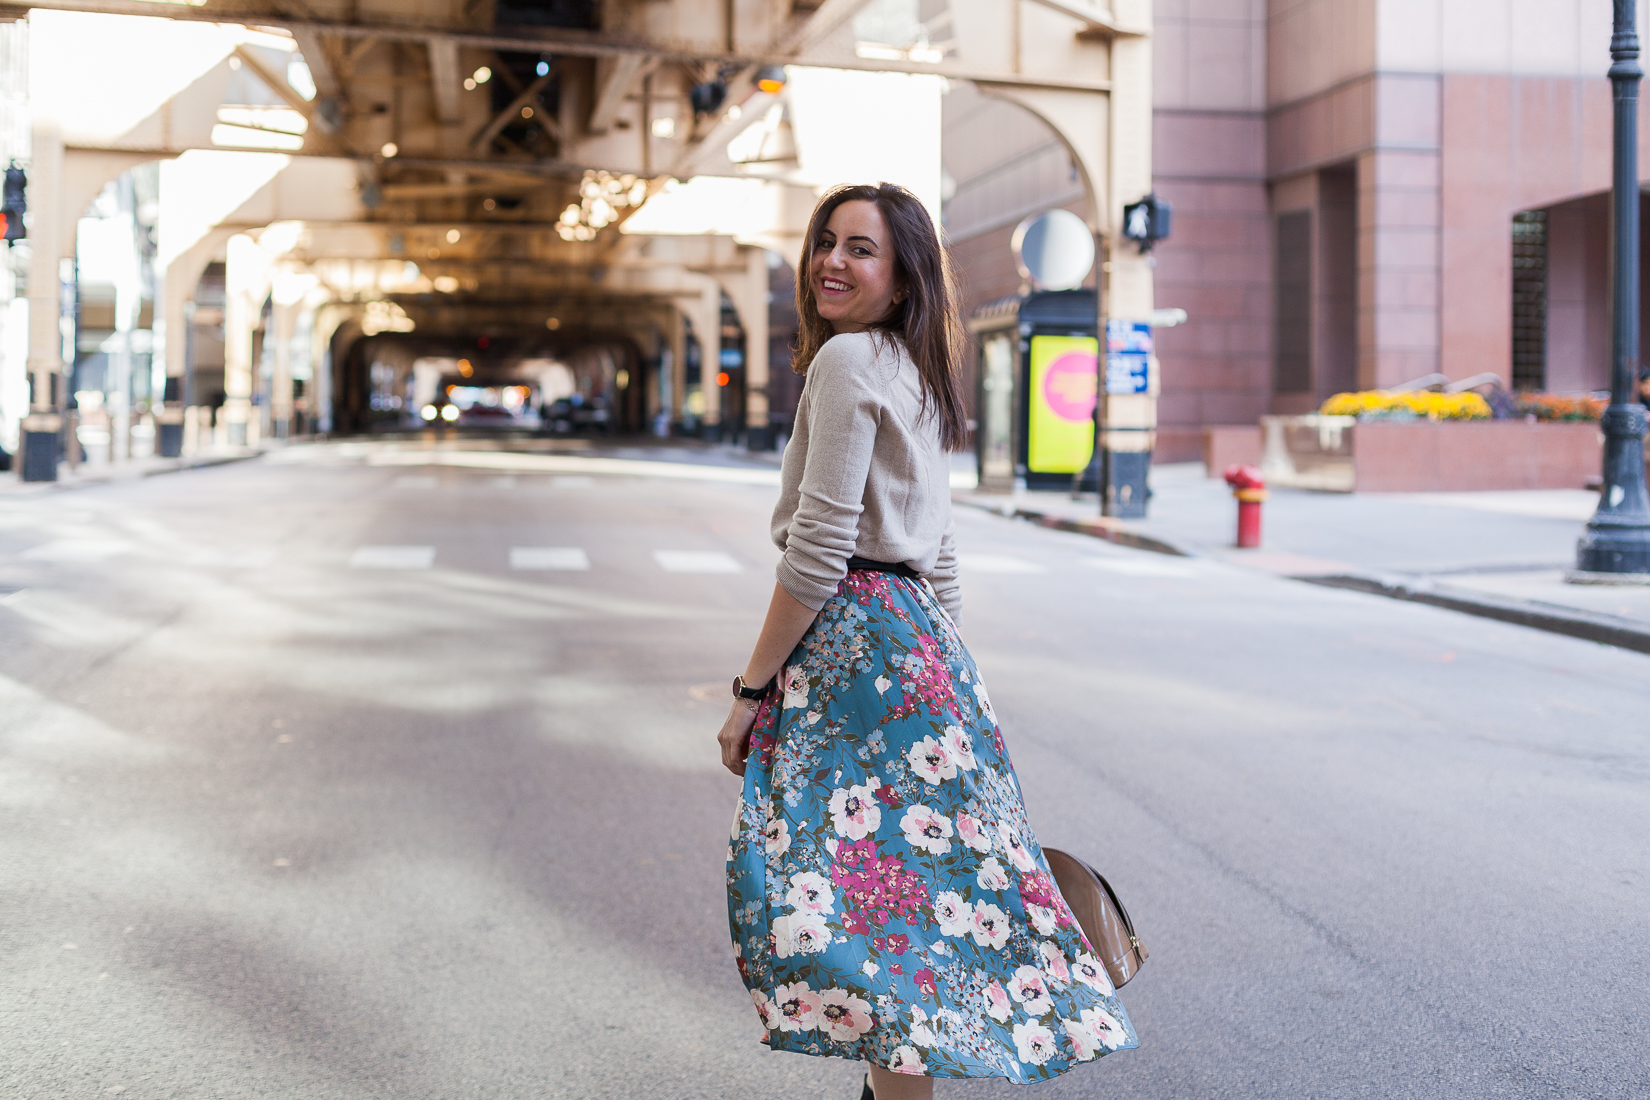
x,y
898,568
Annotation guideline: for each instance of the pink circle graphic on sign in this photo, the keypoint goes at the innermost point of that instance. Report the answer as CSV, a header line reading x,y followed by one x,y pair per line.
x,y
1070,386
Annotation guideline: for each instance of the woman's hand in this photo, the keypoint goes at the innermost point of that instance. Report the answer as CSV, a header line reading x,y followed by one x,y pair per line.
x,y
735,737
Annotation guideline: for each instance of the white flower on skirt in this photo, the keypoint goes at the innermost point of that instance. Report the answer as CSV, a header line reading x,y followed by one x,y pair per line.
x,y
777,836
1104,1027
1083,1041
960,746
883,684
793,681
973,833
844,1016
870,968
1043,919
991,926
998,1007
738,812
854,811
907,1060
1035,1041
800,934
926,830
993,875
1092,973
985,700
1054,961
1028,987
955,915
765,1009
1012,847
923,1035
932,761
811,892
796,1007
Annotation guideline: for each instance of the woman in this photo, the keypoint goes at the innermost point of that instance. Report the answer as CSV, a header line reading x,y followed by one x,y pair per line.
x,y
887,898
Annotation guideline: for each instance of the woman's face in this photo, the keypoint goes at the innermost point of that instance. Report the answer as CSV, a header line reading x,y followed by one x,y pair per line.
x,y
852,268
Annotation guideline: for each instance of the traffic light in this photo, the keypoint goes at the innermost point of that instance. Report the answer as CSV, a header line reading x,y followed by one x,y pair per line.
x,y
13,204
1148,221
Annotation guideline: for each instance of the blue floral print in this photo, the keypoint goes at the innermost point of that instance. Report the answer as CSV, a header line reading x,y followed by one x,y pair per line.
x,y
887,898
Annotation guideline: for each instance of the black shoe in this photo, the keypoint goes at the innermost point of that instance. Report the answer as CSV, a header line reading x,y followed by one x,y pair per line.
x,y
867,1094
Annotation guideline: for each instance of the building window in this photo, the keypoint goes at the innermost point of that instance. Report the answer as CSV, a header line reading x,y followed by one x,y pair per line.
x,y
1529,300
1292,307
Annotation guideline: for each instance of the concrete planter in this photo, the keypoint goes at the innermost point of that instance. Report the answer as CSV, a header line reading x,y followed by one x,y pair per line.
x,y
1342,454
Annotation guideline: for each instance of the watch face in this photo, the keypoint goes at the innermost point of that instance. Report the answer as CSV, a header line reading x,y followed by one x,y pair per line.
x,y
737,685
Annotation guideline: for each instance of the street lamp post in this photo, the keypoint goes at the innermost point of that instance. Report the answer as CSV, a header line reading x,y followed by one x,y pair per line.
x,y
1618,536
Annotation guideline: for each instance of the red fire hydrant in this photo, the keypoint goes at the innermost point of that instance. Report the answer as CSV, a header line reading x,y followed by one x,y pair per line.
x,y
1249,488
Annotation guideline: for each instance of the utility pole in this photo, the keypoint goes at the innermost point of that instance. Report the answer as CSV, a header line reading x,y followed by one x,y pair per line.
x,y
1617,540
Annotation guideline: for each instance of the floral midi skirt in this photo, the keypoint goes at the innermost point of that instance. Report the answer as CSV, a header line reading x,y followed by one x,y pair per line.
x,y
888,900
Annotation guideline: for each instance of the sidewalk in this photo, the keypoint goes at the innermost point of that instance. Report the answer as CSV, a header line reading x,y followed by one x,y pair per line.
x,y
104,473
1500,555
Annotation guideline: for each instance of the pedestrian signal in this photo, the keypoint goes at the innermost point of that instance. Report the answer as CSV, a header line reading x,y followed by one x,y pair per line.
x,y
14,204
1148,221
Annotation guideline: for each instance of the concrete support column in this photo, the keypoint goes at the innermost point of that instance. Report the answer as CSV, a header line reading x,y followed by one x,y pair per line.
x,y
752,304
43,426
246,281
173,312
1128,422
707,325
1398,257
676,336
283,323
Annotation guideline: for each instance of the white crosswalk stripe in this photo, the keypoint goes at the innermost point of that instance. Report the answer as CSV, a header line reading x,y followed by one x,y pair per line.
x,y
77,550
696,561
568,558
1142,567
392,557
997,563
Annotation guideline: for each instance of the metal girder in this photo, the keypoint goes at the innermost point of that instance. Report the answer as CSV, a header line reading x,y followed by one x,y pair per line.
x,y
444,80
1093,18
569,43
615,77
527,97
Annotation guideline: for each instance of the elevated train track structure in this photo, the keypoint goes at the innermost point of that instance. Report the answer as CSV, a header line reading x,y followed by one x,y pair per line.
x,y
384,180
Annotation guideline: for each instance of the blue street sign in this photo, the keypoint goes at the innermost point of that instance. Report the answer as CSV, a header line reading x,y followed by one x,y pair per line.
x,y
1128,356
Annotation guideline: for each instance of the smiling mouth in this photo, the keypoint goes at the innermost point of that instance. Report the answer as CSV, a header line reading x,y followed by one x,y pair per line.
x,y
834,287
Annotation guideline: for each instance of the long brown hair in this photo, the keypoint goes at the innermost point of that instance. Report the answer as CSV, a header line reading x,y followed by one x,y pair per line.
x,y
926,320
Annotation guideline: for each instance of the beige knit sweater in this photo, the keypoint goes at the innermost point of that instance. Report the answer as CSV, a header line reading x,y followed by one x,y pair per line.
x,y
864,473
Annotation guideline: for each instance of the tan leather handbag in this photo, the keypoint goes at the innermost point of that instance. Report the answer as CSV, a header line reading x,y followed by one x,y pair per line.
x,y
1100,915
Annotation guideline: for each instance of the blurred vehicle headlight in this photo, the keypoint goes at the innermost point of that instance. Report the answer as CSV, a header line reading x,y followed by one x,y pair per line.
x,y
427,412
449,412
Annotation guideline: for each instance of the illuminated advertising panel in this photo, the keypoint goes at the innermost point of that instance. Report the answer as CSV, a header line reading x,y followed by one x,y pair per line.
x,y
1060,428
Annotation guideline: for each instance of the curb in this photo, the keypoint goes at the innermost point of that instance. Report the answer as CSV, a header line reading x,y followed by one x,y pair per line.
x,y
1590,626
113,477
1100,527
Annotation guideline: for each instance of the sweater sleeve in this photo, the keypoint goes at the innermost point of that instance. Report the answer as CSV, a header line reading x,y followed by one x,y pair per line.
x,y
943,579
844,410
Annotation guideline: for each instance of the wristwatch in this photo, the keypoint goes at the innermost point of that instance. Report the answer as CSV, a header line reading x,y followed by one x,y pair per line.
x,y
743,691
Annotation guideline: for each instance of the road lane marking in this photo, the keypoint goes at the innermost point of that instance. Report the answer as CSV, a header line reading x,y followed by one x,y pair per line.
x,y
696,561
997,563
1129,567
567,558
239,557
392,557
76,550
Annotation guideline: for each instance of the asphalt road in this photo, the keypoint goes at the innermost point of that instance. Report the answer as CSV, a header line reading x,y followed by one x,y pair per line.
x,y
278,821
